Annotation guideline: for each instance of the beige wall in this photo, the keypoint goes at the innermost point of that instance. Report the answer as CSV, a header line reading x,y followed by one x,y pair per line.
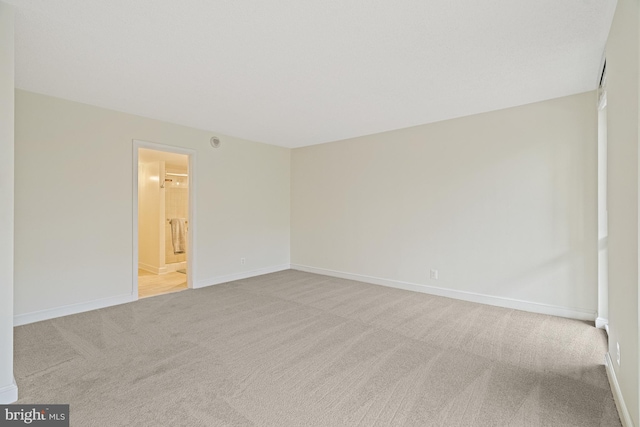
x,y
622,112
502,204
149,216
74,190
7,387
176,206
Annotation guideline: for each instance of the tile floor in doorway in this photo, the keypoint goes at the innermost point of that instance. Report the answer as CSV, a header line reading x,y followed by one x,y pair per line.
x,y
150,284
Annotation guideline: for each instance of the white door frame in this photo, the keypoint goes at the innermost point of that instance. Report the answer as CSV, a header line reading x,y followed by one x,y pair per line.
x,y
191,240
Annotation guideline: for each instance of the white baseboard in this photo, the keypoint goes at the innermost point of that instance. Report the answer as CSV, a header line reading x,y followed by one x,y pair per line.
x,y
175,266
602,323
23,319
239,276
9,393
152,269
534,307
51,313
625,416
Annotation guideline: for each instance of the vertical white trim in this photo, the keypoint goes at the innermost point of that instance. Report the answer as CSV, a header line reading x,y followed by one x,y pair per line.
x,y
191,265
623,411
162,197
602,323
134,274
603,220
8,389
191,235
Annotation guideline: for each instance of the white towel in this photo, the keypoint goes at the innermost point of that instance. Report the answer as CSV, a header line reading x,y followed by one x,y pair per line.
x,y
178,235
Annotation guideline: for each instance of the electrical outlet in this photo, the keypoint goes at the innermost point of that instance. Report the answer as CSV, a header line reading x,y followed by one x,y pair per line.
x,y
433,274
243,261
618,353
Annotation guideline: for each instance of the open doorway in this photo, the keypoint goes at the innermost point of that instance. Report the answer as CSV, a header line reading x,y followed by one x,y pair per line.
x,y
164,219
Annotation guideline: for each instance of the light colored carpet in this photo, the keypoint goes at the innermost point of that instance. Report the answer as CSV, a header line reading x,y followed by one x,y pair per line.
x,y
298,349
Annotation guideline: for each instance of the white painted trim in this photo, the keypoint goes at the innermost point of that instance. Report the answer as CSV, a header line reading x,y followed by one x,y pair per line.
x,y
239,276
9,393
602,323
152,269
623,411
602,102
191,235
134,224
175,266
51,313
534,307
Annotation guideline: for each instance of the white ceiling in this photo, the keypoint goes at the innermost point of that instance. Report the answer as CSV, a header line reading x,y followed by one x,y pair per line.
x,y
301,72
